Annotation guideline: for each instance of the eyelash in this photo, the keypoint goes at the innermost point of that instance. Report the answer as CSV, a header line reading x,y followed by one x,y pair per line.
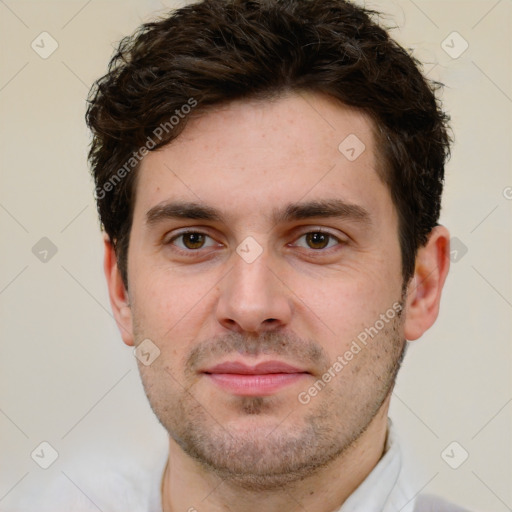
x,y
195,252
182,234
323,232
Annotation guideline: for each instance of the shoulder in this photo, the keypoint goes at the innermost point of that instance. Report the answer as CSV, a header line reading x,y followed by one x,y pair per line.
x,y
430,503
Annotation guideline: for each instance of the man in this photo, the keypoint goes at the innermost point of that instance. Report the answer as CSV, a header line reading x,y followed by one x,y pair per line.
x,y
269,177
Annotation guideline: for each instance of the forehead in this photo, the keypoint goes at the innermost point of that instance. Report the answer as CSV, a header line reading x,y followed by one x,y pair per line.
x,y
251,155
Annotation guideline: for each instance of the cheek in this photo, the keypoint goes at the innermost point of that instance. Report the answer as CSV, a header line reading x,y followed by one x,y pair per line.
x,y
170,308
338,309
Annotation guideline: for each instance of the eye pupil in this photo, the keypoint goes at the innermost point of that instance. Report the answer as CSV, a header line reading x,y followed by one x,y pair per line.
x,y
317,240
193,240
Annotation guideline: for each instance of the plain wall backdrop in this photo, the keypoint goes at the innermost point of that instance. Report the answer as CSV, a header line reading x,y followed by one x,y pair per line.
x,y
66,377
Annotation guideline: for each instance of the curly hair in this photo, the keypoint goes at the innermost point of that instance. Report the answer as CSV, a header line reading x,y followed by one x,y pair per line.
x,y
216,51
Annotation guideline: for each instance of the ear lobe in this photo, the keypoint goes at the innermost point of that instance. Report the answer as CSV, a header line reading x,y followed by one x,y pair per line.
x,y
425,287
119,299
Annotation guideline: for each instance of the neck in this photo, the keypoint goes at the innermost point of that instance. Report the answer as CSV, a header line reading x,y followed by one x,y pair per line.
x,y
188,486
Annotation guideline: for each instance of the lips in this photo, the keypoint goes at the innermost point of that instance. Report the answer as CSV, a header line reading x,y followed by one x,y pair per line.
x,y
263,368
263,379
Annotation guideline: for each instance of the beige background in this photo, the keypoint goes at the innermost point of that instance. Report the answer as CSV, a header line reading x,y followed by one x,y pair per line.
x,y
65,376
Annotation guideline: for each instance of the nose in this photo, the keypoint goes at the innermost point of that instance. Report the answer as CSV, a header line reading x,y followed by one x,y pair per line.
x,y
253,298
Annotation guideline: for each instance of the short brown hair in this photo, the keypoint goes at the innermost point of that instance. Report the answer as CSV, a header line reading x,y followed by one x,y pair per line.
x,y
216,51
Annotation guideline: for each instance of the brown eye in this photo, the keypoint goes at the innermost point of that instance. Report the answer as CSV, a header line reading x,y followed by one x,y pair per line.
x,y
193,240
317,240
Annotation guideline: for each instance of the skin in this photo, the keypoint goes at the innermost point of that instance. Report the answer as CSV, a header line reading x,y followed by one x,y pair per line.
x,y
297,302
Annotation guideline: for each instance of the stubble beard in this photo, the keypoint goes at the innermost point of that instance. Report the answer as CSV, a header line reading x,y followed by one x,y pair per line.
x,y
278,451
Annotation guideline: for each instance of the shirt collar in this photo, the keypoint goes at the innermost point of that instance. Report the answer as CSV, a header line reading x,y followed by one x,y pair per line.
x,y
385,489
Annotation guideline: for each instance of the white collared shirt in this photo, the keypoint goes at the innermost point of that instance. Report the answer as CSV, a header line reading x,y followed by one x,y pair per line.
x,y
385,489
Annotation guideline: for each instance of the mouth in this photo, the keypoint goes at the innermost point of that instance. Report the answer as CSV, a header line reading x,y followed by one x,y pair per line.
x,y
263,379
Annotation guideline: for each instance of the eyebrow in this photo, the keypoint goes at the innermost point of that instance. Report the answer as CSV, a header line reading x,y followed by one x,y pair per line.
x,y
294,211
323,208
181,210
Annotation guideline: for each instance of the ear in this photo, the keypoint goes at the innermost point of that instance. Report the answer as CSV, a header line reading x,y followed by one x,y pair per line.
x,y
119,299
425,287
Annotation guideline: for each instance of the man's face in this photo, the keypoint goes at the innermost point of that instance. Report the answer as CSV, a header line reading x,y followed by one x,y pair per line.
x,y
256,240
